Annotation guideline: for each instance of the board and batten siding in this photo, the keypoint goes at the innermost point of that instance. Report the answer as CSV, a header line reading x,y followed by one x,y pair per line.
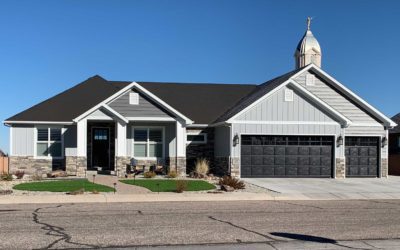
x,y
22,140
334,99
275,108
145,108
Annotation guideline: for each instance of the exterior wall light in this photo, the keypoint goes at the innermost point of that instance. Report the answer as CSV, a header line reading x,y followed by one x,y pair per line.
x,y
236,140
384,142
339,141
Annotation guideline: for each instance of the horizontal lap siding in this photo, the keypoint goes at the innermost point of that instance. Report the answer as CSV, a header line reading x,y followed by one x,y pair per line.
x,y
275,108
340,103
145,108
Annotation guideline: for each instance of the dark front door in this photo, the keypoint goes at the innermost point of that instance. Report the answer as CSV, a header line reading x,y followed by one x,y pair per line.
x,y
101,148
362,156
286,156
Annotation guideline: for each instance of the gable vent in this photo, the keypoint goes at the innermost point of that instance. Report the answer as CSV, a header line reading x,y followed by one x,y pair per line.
x,y
288,95
133,98
310,80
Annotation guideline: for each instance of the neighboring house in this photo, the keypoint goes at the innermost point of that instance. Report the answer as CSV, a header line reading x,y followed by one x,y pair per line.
x,y
301,124
394,147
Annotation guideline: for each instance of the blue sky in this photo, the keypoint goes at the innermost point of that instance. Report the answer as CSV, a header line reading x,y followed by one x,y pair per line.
x,y
49,46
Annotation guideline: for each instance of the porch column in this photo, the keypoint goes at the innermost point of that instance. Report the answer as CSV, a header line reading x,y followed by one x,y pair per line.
x,y
180,148
81,146
121,159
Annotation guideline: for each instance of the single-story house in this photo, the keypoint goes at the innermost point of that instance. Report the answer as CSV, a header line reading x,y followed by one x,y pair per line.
x,y
394,147
303,123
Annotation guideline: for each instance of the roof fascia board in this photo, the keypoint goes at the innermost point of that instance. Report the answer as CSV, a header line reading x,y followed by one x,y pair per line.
x,y
322,104
37,122
112,111
161,102
112,97
230,120
359,100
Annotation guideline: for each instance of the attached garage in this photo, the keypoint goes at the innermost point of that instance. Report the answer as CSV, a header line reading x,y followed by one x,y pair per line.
x,y
286,156
362,156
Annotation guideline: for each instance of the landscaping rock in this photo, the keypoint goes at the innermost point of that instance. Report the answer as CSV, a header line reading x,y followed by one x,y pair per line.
x,y
227,188
57,173
5,192
80,191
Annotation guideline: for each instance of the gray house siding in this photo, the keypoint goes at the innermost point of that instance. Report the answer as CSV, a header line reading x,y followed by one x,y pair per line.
x,y
337,101
145,108
70,140
22,140
275,108
222,141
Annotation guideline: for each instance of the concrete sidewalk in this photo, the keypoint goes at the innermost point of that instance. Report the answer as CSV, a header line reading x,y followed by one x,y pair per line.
x,y
175,197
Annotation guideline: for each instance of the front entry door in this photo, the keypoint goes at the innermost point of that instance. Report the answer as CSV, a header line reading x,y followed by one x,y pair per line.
x,y
101,148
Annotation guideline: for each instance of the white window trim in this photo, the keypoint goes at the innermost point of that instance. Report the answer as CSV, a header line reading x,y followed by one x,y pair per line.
x,y
196,142
289,95
35,156
147,142
310,80
133,98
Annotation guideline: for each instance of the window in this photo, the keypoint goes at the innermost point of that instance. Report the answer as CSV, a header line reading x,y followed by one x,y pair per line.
x,y
49,142
200,138
288,95
133,98
148,142
398,141
310,80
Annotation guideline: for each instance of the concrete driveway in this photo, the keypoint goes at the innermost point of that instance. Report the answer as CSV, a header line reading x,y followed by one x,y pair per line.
x,y
350,188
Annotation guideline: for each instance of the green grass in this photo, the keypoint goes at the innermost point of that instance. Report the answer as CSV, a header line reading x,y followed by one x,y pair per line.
x,y
169,185
63,186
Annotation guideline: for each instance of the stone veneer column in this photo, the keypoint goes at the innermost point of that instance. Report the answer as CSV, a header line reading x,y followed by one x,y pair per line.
x,y
384,167
340,164
81,166
235,166
120,165
177,164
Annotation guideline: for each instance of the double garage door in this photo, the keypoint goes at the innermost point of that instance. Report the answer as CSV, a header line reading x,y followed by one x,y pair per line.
x,y
306,156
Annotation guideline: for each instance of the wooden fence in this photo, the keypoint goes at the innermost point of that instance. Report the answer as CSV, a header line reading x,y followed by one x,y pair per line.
x,y
3,164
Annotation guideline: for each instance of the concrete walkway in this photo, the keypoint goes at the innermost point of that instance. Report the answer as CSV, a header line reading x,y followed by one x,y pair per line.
x,y
122,188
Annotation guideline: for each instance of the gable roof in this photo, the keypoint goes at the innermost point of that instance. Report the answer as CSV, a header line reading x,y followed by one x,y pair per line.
x,y
71,103
256,94
202,103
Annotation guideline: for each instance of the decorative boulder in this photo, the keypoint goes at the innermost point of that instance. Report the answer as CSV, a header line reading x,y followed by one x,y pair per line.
x,y
227,188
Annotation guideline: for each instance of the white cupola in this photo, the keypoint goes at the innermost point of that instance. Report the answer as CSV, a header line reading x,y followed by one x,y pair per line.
x,y
308,50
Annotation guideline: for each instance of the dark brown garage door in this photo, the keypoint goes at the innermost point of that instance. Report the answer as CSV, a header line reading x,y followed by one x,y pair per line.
x,y
286,156
362,156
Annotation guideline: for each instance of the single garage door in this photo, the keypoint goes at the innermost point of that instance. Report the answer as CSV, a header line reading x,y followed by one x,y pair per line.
x,y
286,156
362,156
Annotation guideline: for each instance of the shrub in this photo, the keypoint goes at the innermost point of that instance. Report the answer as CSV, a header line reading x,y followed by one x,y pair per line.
x,y
172,174
6,177
202,166
149,174
181,185
232,182
94,191
19,174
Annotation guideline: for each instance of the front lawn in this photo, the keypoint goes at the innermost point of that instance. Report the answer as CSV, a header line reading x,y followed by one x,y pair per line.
x,y
63,186
169,185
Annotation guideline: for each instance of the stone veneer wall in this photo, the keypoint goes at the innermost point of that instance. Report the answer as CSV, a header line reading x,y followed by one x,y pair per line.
x,y
340,164
384,167
195,151
235,166
31,166
76,166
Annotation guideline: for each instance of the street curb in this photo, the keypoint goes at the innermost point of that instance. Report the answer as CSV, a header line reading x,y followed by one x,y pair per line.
x,y
174,197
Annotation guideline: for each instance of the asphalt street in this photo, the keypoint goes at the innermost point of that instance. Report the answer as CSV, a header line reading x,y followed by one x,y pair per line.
x,y
363,224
